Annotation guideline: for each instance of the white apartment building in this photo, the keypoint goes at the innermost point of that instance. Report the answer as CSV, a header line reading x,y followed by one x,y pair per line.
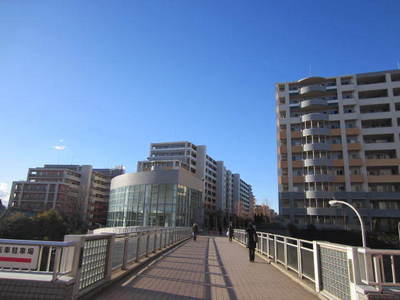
x,y
338,137
218,180
190,157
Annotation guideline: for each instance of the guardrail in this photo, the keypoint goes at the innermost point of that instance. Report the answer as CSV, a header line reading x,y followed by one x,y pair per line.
x,y
41,257
89,259
379,268
337,271
294,254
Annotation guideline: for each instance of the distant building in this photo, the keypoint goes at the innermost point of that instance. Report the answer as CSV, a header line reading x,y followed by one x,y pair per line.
x,y
70,189
219,199
338,137
242,197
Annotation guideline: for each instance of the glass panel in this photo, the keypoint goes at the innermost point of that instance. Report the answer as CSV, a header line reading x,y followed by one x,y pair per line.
x,y
292,256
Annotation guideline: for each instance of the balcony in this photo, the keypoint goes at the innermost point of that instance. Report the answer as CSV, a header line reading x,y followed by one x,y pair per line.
x,y
283,164
336,147
298,179
352,131
337,163
339,178
313,104
318,178
321,211
297,149
298,163
311,162
335,131
355,162
315,117
382,162
315,131
319,194
312,90
295,134
317,146
384,179
356,178
283,179
354,146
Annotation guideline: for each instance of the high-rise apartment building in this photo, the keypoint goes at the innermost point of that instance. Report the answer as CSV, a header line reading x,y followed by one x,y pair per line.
x,y
190,157
218,181
338,137
71,189
243,197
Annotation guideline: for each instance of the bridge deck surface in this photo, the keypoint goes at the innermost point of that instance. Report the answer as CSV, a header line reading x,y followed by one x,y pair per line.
x,y
210,268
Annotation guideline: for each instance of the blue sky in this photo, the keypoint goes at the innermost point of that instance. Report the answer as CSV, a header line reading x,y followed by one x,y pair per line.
x,y
104,79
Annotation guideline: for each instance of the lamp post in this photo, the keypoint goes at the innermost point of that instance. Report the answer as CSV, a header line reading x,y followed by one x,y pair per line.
x,y
336,202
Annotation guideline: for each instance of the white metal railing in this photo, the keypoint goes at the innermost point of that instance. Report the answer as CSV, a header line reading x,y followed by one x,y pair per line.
x,y
90,259
338,271
294,254
379,268
51,257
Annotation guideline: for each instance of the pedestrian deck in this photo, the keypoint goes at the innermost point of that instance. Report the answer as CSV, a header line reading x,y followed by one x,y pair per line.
x,y
210,268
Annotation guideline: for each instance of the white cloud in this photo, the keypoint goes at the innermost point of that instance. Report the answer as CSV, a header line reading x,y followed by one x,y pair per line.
x,y
4,192
59,147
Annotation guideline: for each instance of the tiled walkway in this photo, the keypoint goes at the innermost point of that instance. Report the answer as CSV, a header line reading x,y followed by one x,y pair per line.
x,y
210,268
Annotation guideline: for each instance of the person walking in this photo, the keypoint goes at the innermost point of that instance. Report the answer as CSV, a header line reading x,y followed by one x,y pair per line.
x,y
230,231
252,240
195,231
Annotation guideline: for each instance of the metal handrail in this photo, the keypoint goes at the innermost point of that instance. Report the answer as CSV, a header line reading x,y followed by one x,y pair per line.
x,y
272,253
37,243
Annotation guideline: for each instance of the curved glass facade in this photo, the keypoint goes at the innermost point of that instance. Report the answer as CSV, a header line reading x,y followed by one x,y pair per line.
x,y
164,205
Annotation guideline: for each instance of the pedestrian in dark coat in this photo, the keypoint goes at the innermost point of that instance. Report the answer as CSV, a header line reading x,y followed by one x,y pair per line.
x,y
195,231
252,240
230,232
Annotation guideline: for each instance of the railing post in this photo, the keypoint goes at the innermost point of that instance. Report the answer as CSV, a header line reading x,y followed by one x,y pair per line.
x,y
125,255
147,243
111,241
299,262
369,271
268,254
56,265
393,267
262,243
77,261
155,242
138,246
161,235
377,267
316,267
285,251
275,250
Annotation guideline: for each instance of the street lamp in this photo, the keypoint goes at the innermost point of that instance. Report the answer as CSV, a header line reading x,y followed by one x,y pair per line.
x,y
337,202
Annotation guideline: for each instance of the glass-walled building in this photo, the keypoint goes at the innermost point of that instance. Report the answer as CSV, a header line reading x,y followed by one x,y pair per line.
x,y
164,198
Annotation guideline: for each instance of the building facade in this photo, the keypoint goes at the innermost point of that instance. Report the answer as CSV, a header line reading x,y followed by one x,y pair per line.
x,y
338,137
243,198
70,189
218,181
164,197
